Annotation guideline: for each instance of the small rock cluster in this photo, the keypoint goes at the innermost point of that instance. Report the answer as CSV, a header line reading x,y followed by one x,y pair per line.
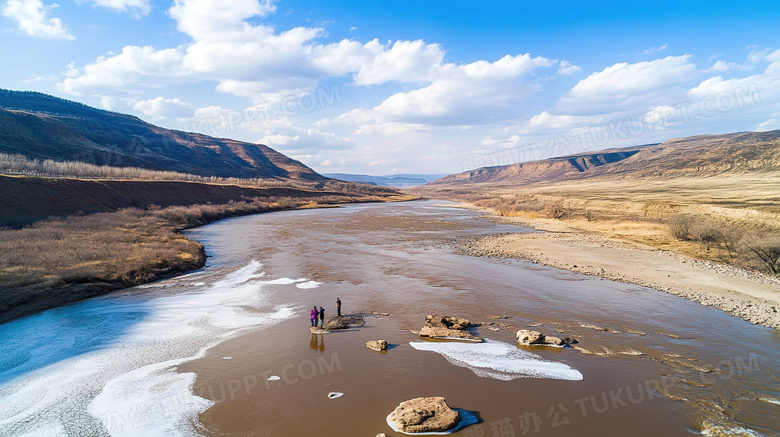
x,y
438,326
528,337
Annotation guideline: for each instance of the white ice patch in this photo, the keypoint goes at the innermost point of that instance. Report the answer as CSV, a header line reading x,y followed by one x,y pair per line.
x,y
109,365
722,431
498,360
284,281
308,284
166,405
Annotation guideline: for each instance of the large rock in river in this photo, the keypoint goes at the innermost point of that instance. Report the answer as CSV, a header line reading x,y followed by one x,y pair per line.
x,y
446,327
424,415
377,345
342,322
445,333
439,321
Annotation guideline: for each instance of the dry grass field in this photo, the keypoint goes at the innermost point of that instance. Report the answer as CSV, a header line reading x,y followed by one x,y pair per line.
x,y
725,214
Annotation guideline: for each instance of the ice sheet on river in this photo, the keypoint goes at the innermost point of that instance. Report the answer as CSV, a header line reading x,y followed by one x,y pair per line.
x,y
109,365
498,360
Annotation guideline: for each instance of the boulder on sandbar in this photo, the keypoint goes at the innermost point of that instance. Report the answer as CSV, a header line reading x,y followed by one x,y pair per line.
x,y
430,414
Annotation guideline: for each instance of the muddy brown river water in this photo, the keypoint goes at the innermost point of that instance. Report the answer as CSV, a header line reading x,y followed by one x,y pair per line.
x,y
227,351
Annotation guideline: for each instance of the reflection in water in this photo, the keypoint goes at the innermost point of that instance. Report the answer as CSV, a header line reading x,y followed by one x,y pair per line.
x,y
317,342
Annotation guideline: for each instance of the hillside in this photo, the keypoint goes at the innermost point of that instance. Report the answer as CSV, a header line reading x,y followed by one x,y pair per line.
x,y
692,156
711,197
45,127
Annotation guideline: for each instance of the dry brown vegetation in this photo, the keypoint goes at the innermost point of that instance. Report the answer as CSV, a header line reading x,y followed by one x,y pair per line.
x,y
730,218
124,247
63,260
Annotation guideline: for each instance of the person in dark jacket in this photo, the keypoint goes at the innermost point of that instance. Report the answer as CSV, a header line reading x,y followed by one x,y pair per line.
x,y
322,316
338,307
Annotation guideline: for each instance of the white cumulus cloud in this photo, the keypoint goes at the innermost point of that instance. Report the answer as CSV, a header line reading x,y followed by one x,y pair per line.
x,y
161,107
567,68
625,85
32,18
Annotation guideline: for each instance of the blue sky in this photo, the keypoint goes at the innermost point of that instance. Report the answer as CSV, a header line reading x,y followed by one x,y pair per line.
x,y
391,87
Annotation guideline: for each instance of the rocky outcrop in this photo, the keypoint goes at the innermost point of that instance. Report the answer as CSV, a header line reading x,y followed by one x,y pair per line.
x,y
439,321
528,337
377,345
445,333
342,322
446,327
431,414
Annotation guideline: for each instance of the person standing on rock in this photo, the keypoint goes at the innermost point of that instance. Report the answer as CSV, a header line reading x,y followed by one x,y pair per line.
x,y
338,307
314,313
322,317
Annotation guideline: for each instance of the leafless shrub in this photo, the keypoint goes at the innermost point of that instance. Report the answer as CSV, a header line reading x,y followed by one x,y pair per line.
x,y
680,226
705,232
765,248
557,211
589,216
730,236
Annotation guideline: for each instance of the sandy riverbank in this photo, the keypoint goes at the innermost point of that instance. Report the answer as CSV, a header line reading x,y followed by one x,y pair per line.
x,y
752,296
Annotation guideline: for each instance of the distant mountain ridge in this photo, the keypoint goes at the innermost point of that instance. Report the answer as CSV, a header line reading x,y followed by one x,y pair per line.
x,y
397,180
699,155
41,126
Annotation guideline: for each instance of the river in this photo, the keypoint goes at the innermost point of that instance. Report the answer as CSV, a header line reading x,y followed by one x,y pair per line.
x,y
226,350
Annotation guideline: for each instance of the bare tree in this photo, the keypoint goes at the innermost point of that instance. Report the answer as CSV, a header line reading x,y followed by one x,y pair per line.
x,y
765,247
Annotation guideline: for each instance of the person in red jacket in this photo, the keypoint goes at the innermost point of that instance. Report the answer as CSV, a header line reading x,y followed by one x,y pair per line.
x,y
314,314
